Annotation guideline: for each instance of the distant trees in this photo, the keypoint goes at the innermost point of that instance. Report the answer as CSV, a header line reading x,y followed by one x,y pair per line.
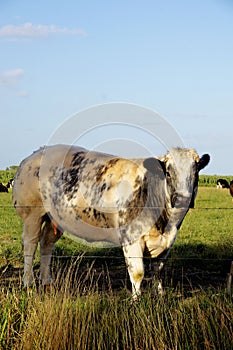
x,y
12,168
9,173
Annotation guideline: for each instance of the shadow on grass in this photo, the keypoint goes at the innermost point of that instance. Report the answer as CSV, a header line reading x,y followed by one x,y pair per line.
x,y
188,268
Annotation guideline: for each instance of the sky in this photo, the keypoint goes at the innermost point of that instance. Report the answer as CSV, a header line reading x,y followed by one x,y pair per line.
x,y
59,58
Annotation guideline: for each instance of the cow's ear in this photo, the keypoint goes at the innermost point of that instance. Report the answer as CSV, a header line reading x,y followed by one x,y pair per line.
x,y
155,166
203,161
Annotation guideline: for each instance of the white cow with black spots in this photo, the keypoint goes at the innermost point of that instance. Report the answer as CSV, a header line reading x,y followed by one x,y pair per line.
x,y
137,203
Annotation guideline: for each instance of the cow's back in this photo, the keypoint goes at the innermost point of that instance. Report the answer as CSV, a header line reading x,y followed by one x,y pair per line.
x,y
33,169
74,185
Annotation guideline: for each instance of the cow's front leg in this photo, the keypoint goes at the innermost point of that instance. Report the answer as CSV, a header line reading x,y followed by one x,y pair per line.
x,y
48,238
134,259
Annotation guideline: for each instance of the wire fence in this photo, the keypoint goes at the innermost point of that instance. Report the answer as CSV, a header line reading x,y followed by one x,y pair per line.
x,y
130,207
116,257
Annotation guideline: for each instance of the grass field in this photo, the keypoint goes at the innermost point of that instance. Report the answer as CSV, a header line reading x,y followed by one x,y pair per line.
x,y
89,306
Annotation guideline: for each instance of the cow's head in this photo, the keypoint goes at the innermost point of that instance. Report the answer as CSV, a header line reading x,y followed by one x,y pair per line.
x,y
181,169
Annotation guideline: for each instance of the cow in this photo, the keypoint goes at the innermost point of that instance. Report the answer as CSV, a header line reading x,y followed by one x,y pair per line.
x,y
10,183
3,188
231,189
222,183
136,203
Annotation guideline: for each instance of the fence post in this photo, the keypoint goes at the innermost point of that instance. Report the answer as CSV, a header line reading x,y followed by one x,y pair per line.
x,y
229,279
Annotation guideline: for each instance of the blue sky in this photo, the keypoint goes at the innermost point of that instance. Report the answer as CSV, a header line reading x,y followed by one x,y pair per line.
x,y
174,57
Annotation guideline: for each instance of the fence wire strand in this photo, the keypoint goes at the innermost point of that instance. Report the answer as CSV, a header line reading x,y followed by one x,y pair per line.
x,y
200,208
83,256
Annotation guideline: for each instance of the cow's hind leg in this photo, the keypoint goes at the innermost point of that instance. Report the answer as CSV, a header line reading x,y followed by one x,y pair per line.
x,y
31,235
48,238
134,259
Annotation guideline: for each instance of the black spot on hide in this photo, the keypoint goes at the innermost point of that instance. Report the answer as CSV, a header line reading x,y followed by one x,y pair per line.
x,y
103,187
68,181
104,168
78,157
36,172
134,206
95,215
70,178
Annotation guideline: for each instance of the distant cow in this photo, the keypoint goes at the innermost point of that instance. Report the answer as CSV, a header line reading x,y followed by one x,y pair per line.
x,y
10,183
222,183
3,188
231,188
137,203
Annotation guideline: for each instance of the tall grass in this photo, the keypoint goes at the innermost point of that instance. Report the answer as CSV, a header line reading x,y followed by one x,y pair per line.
x,y
67,319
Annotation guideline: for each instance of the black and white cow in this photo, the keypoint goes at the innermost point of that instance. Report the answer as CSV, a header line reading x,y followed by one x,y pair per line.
x,y
231,189
222,183
3,188
10,183
137,203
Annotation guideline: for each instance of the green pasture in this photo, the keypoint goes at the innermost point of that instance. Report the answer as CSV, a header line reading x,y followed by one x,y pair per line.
x,y
211,180
207,232
89,306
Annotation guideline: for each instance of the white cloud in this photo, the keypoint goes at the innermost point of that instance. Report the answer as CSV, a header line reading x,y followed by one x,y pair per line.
x,y
11,78
22,93
29,30
13,73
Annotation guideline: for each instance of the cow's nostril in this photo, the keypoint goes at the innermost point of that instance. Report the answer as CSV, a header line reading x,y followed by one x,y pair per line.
x,y
174,199
180,202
